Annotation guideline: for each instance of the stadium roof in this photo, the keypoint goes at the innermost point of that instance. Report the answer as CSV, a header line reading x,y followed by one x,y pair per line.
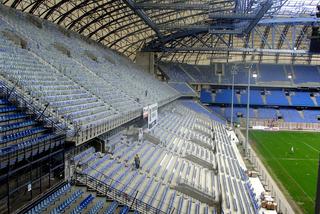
x,y
189,31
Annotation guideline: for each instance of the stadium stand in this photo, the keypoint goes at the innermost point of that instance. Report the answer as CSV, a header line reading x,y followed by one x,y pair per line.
x,y
75,115
63,76
267,113
225,96
25,132
301,99
276,97
174,171
72,199
183,88
278,74
306,74
303,75
175,72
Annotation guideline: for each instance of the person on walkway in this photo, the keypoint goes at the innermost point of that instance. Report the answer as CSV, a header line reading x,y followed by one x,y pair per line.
x,y
137,161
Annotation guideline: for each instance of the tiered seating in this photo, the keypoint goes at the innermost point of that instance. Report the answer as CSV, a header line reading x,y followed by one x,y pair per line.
x,y
276,97
311,116
174,72
291,115
301,99
85,91
156,165
81,74
74,200
268,74
197,73
20,131
206,96
184,157
288,115
267,113
231,179
200,109
48,85
306,74
225,96
238,112
255,97
183,88
207,74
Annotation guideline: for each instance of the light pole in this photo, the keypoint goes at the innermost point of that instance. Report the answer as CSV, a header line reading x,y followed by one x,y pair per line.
x,y
248,110
232,93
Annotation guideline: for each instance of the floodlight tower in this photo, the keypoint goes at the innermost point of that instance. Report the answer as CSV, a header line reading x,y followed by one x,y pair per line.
x,y
248,108
234,69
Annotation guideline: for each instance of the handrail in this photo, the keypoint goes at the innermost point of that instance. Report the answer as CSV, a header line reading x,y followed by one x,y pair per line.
x,y
21,99
112,181
116,194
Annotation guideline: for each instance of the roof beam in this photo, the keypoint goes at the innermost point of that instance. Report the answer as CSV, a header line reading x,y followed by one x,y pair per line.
x,y
290,21
180,6
144,17
265,6
172,6
35,6
53,8
234,49
89,13
14,3
231,16
77,7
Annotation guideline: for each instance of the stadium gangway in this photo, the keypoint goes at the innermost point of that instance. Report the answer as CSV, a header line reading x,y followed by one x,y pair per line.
x,y
122,197
10,154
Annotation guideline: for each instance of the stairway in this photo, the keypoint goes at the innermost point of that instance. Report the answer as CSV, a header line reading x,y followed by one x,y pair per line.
x,y
19,130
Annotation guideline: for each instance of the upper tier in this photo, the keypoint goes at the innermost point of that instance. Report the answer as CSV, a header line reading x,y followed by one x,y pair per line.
x,y
84,83
267,74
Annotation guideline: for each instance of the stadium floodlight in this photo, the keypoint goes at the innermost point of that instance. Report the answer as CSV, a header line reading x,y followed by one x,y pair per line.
x,y
289,76
234,70
254,75
248,111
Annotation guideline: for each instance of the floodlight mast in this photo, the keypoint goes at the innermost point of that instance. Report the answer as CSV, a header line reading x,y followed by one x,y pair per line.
x,y
232,94
247,118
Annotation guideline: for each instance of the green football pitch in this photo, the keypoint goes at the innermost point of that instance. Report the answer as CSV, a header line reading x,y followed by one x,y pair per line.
x,y
296,171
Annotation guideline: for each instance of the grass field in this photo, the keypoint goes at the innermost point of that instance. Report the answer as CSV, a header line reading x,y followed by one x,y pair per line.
x,y
296,171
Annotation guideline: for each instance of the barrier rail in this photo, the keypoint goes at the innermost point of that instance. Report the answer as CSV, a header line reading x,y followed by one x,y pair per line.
x,y
17,153
285,125
13,95
118,195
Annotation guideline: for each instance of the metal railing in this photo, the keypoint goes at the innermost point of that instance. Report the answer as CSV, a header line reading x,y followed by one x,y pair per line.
x,y
37,113
14,96
119,185
122,197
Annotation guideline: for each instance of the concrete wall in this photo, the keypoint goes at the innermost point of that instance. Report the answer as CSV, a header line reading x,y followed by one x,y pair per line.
x,y
145,60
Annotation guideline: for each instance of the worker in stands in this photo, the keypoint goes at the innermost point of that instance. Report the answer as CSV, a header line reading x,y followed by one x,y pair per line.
x,y
137,161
